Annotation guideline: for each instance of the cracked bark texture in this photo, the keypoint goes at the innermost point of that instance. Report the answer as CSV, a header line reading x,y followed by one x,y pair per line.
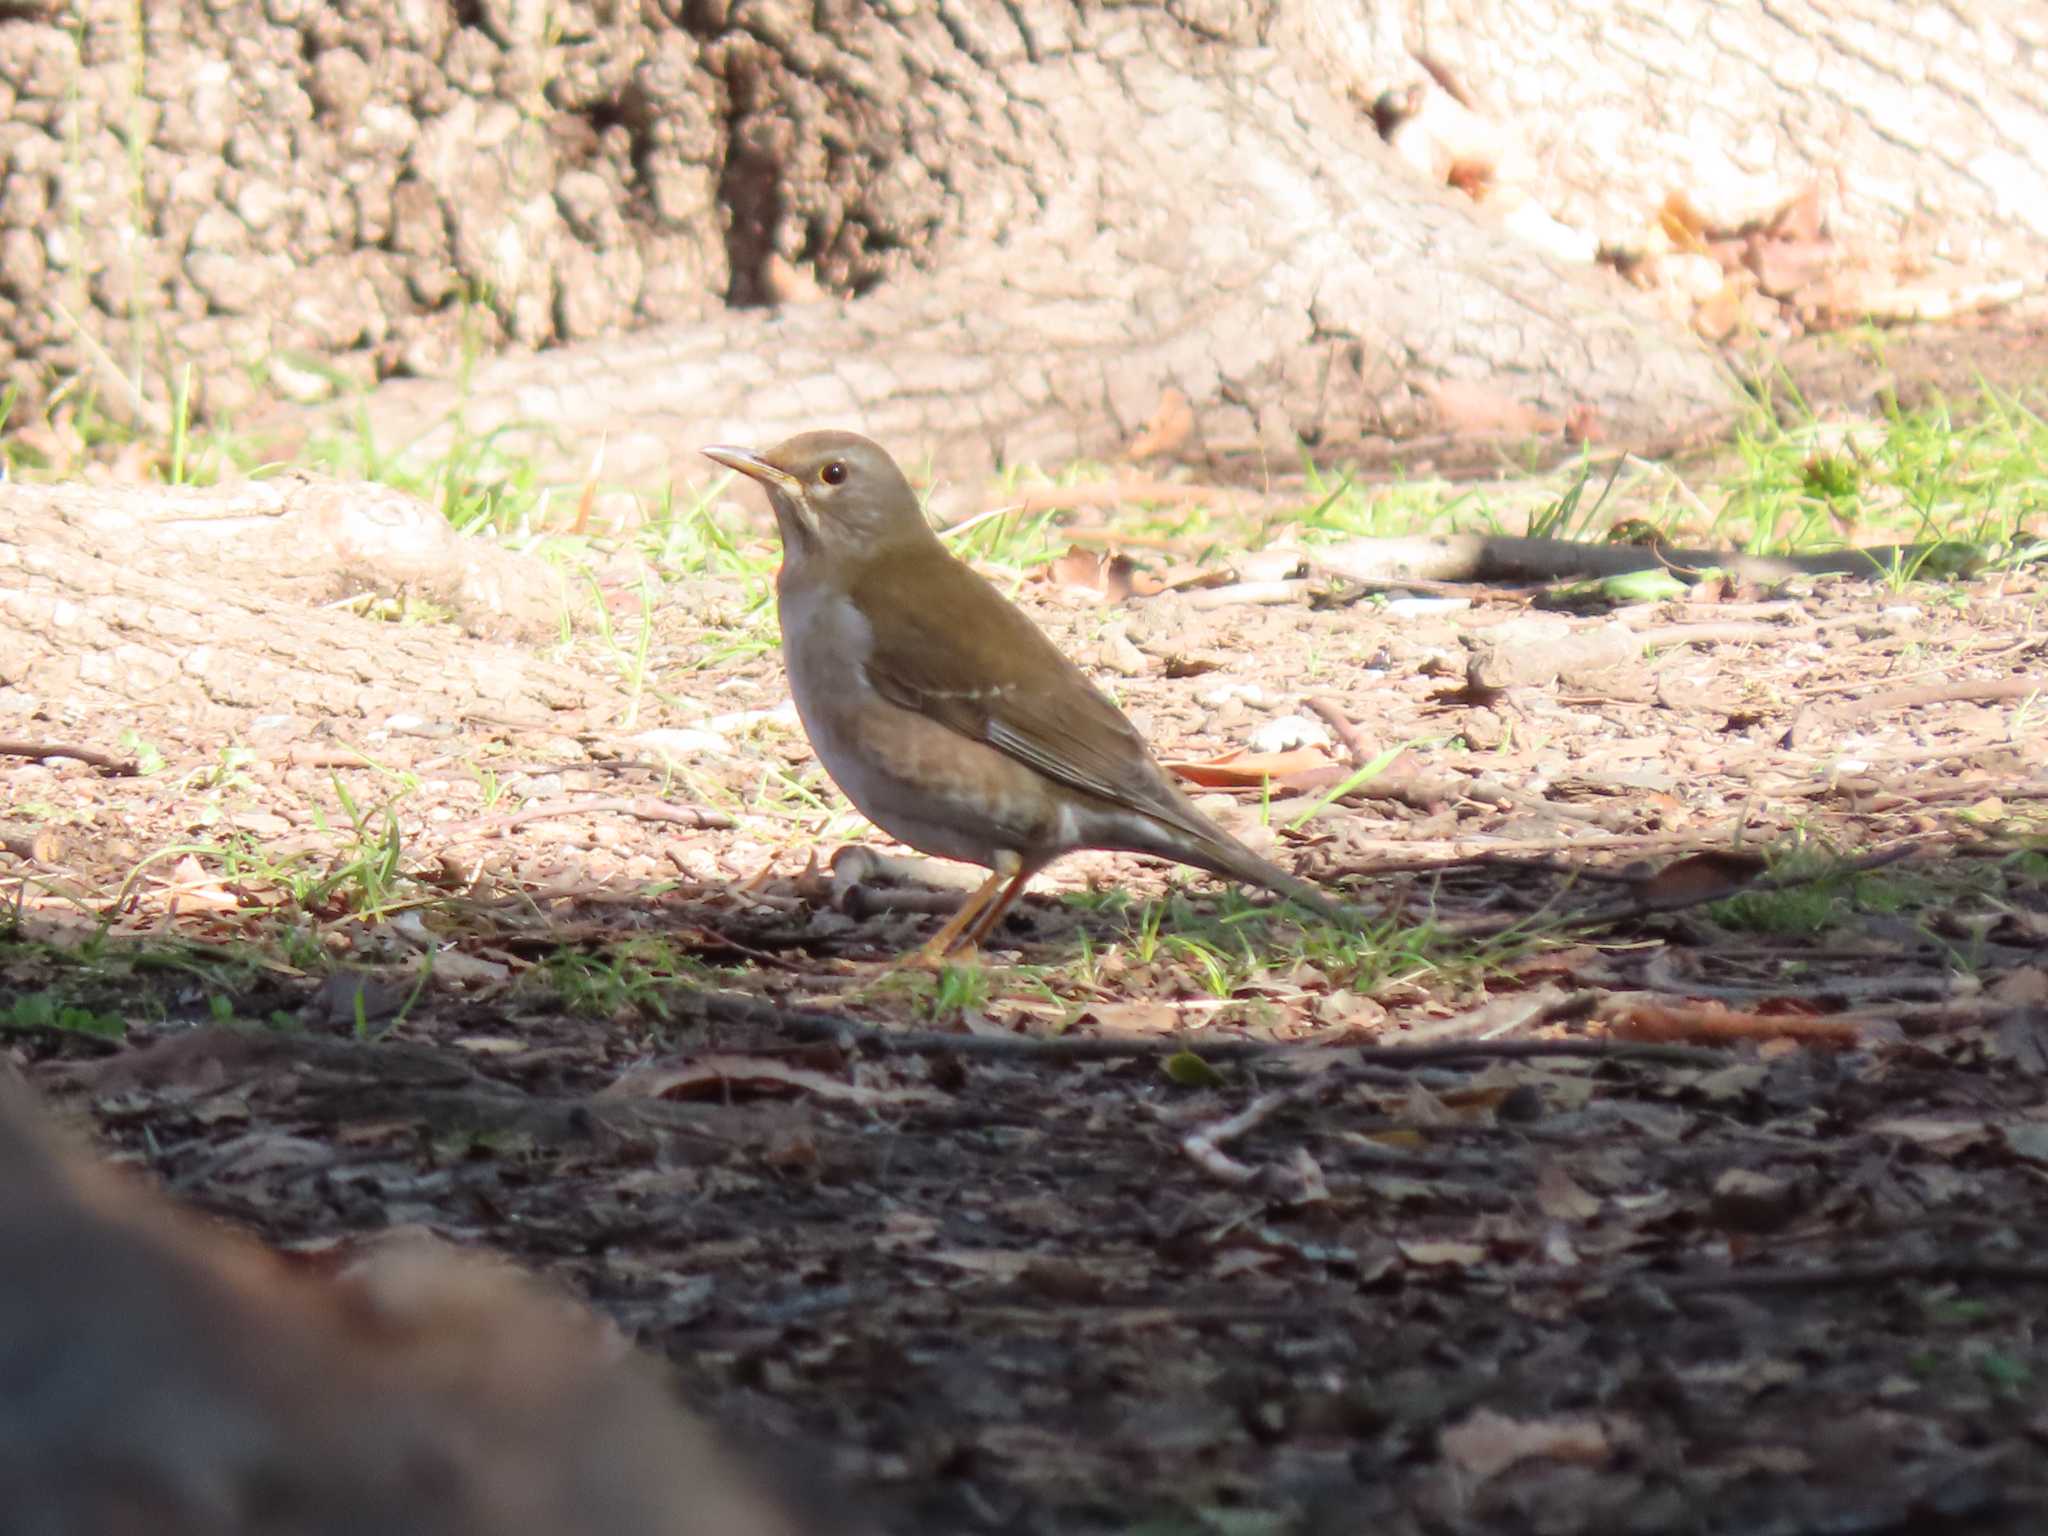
x,y
1927,123
978,228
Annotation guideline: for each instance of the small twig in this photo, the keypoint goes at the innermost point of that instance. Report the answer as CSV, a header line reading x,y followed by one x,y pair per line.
x,y
1840,1277
1332,714
1525,1050
644,807
1360,588
40,751
1204,1147
1248,594
1298,1181
1811,691
1732,632
328,757
44,846
1953,693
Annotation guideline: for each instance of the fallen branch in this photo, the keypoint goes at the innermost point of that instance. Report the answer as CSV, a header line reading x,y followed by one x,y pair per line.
x,y
1996,1271
1638,1019
643,807
43,751
1953,693
1493,558
1530,1050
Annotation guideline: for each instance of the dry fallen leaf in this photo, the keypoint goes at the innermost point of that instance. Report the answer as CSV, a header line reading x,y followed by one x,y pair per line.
x,y
1561,1198
1442,1255
1140,1018
1171,424
1113,576
1488,1443
1700,877
1296,768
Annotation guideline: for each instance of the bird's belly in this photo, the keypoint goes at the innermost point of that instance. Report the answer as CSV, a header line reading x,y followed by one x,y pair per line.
x,y
921,782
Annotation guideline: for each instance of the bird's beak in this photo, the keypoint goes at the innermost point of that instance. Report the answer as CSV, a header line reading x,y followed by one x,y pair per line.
x,y
754,467
793,519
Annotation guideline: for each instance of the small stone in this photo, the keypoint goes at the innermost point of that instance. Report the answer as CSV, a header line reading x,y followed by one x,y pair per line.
x,y
22,267
341,82
261,202
1748,1201
1289,733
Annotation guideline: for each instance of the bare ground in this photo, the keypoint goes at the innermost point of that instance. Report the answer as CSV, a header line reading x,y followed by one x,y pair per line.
x,y
1766,1254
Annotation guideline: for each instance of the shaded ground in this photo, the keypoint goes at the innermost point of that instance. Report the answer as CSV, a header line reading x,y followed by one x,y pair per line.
x,y
994,1243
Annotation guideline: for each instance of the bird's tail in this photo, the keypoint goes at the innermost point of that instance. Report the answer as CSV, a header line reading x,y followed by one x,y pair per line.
x,y
1223,855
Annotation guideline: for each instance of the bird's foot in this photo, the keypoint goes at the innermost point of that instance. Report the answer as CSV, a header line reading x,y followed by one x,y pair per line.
x,y
933,956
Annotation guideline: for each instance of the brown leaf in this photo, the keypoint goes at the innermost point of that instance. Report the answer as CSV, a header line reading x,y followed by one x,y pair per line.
x,y
1172,422
1561,1198
1442,1255
1748,1201
1638,1018
1488,1443
1803,218
1296,768
1943,1135
1141,1018
1784,267
1112,575
2027,985
2022,1038
1710,876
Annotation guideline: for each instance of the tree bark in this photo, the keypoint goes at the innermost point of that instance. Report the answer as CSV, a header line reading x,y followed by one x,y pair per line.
x,y
988,230
1139,228
1174,230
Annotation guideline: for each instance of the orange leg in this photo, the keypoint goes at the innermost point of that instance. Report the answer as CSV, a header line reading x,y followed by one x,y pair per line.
x,y
977,914
985,924
932,953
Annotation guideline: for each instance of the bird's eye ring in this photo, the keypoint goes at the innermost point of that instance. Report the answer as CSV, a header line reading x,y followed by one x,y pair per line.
x,y
833,473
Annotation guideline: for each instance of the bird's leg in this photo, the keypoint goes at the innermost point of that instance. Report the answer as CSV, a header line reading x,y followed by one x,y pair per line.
x,y
932,953
985,924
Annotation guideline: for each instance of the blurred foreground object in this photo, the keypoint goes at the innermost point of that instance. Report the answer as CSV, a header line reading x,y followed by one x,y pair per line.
x,y
163,1378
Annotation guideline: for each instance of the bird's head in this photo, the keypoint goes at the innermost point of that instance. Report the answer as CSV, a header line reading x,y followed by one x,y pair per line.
x,y
833,493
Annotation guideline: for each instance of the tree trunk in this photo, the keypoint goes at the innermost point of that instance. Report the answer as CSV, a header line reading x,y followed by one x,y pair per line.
x,y
1131,229
986,230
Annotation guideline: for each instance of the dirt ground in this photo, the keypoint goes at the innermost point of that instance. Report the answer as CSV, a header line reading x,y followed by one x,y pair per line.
x,y
1679,1212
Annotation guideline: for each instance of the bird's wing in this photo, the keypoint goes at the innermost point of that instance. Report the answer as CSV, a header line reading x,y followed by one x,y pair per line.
x,y
999,680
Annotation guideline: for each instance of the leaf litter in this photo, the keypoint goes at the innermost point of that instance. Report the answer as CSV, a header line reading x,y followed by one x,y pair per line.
x,y
1672,1153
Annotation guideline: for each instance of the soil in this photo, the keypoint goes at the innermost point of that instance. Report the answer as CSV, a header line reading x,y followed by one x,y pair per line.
x,y
1761,1249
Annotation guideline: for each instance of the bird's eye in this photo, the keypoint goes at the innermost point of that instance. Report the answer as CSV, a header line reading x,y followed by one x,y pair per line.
x,y
833,473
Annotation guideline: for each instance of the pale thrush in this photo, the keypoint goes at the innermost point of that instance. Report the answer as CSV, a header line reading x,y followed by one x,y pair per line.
x,y
941,711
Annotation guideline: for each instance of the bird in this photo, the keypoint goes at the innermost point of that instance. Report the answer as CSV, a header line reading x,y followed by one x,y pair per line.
x,y
942,712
